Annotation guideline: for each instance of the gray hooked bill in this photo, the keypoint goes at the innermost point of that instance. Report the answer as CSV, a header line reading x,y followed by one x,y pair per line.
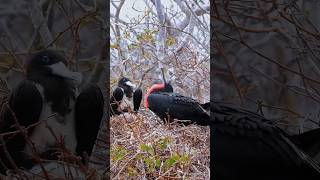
x,y
60,69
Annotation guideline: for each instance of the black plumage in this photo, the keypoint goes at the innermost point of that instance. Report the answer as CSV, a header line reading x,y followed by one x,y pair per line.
x,y
308,142
48,105
26,104
245,145
161,100
57,89
127,86
137,98
124,90
88,115
115,101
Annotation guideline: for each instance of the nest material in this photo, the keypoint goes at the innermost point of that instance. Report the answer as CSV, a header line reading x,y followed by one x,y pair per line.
x,y
143,147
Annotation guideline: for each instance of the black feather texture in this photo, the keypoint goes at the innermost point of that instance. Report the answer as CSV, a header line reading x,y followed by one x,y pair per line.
x,y
245,145
137,98
88,116
161,100
25,107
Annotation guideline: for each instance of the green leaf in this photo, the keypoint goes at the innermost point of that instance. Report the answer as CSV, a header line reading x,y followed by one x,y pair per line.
x,y
139,156
147,148
118,153
158,162
173,159
185,159
147,36
170,41
150,163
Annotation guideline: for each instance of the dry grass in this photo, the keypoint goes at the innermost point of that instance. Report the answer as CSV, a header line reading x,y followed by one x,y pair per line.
x,y
143,147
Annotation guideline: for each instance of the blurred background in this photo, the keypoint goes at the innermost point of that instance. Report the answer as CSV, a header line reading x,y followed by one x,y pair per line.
x,y
266,58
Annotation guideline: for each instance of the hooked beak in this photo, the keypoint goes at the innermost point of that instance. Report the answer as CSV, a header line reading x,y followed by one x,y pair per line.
x,y
61,70
129,83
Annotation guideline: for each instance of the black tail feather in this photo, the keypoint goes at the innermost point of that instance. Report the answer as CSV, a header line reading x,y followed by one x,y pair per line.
x,y
137,98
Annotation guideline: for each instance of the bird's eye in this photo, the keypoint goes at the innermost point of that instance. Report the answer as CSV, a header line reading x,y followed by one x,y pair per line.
x,y
45,59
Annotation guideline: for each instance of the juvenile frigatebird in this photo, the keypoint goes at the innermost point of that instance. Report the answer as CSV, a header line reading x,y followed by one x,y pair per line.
x,y
125,90
45,110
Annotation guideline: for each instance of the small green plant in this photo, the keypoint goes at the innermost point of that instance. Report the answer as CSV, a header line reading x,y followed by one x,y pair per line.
x,y
118,153
147,148
153,161
172,160
175,159
162,144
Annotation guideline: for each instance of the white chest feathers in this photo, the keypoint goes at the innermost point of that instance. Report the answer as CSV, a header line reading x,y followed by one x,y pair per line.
x,y
53,129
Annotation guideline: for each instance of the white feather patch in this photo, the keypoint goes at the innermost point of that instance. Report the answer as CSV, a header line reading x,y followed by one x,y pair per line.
x,y
129,83
42,137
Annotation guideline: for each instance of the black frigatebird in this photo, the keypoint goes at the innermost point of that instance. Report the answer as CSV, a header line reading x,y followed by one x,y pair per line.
x,y
168,105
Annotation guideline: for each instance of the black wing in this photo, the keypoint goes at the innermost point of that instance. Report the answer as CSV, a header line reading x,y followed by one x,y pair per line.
x,y
26,104
308,141
179,107
206,106
88,116
245,144
116,98
137,98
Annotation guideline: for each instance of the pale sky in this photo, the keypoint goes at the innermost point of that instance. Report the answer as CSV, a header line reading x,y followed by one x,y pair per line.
x,y
127,12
